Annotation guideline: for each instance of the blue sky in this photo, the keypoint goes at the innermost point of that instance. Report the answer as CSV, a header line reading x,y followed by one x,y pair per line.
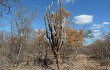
x,y
90,14
87,14
97,10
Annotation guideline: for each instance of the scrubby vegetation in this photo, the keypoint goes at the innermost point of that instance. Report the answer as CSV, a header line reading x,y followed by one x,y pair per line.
x,y
58,47
100,50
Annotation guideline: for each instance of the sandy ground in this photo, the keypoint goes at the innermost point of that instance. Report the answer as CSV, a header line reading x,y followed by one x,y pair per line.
x,y
81,62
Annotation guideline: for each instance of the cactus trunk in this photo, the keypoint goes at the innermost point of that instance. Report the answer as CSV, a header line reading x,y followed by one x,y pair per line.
x,y
56,25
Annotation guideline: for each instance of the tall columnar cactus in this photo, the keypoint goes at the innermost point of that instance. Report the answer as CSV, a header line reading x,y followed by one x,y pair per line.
x,y
56,24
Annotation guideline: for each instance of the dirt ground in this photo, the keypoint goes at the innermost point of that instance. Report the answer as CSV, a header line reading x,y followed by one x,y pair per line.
x,y
81,62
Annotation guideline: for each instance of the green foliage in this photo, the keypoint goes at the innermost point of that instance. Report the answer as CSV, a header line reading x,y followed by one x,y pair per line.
x,y
88,34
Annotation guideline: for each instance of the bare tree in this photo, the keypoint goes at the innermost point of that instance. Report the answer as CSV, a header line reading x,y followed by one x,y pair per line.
x,y
6,5
21,29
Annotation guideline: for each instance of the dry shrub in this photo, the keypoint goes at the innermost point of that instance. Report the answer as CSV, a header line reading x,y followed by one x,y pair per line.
x,y
100,49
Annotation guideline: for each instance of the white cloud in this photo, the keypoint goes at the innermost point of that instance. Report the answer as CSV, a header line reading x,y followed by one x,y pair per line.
x,y
106,23
102,25
96,26
36,30
83,19
96,33
68,1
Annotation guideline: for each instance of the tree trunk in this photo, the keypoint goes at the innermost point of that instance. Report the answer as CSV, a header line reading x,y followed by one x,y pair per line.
x,y
58,61
46,52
